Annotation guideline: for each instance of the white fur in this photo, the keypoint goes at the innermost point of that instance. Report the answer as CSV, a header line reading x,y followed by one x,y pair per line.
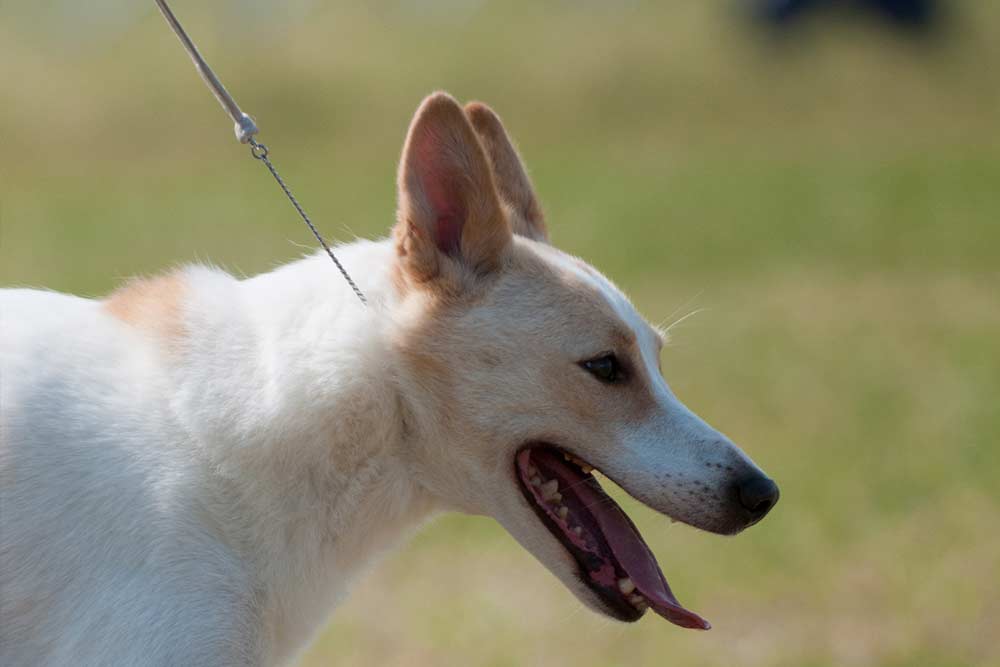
x,y
211,512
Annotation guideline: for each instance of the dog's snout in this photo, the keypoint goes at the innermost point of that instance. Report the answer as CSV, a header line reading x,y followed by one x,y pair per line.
x,y
757,495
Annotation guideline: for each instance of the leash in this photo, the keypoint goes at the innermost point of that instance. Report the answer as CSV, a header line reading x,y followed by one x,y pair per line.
x,y
245,129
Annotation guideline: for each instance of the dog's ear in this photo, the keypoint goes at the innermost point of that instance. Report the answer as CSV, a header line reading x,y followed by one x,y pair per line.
x,y
508,169
450,224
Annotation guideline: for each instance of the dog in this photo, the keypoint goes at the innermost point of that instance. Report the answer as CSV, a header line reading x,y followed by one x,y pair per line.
x,y
195,468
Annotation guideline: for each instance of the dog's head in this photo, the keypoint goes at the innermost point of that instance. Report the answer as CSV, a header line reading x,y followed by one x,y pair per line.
x,y
528,369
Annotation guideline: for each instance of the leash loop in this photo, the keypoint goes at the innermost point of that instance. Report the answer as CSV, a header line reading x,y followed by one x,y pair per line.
x,y
258,150
245,129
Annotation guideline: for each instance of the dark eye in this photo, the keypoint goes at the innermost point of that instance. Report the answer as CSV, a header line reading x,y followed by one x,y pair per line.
x,y
605,368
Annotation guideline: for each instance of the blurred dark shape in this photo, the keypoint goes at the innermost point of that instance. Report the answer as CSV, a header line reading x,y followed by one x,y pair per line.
x,y
900,13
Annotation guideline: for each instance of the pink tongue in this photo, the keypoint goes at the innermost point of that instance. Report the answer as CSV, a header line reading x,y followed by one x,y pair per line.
x,y
637,560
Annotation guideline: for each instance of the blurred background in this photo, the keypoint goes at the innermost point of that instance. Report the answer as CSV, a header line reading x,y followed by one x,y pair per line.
x,y
821,180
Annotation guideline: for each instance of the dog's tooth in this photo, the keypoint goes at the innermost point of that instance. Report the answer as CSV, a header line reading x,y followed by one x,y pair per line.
x,y
626,586
637,599
532,470
563,511
549,487
587,469
555,498
536,481
578,530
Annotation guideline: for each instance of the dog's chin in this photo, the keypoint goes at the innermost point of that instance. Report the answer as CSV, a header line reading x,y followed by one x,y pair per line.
x,y
581,535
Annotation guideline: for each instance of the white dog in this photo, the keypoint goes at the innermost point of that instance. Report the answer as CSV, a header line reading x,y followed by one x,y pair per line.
x,y
194,469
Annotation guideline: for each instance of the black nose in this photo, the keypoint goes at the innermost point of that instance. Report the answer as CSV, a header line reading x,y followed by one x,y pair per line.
x,y
757,495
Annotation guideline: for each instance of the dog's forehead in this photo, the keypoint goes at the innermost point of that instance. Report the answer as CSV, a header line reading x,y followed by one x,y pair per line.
x,y
606,296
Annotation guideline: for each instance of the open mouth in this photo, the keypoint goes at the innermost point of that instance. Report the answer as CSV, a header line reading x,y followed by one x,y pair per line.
x,y
612,557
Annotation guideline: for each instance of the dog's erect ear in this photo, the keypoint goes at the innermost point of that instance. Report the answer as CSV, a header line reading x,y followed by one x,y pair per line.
x,y
511,178
450,223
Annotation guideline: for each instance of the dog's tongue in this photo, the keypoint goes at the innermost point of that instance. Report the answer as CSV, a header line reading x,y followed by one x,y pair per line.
x,y
639,563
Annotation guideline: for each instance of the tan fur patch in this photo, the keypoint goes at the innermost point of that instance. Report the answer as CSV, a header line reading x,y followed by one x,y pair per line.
x,y
152,304
520,351
586,311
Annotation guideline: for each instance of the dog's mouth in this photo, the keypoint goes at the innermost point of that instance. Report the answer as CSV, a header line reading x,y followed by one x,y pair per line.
x,y
613,559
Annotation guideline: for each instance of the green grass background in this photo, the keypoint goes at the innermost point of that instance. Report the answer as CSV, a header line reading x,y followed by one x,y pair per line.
x,y
831,199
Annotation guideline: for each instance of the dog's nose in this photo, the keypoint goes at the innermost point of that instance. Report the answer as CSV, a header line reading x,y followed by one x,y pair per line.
x,y
757,495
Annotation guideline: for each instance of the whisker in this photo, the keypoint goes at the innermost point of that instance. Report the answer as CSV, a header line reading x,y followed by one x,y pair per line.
x,y
683,306
686,317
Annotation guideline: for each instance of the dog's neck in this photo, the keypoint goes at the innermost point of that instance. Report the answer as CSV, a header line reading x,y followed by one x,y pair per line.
x,y
291,361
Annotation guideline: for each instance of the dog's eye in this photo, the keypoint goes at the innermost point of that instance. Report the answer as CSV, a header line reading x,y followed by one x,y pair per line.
x,y
605,368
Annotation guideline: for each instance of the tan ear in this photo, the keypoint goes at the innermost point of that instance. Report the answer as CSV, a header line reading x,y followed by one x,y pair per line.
x,y
508,169
450,223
